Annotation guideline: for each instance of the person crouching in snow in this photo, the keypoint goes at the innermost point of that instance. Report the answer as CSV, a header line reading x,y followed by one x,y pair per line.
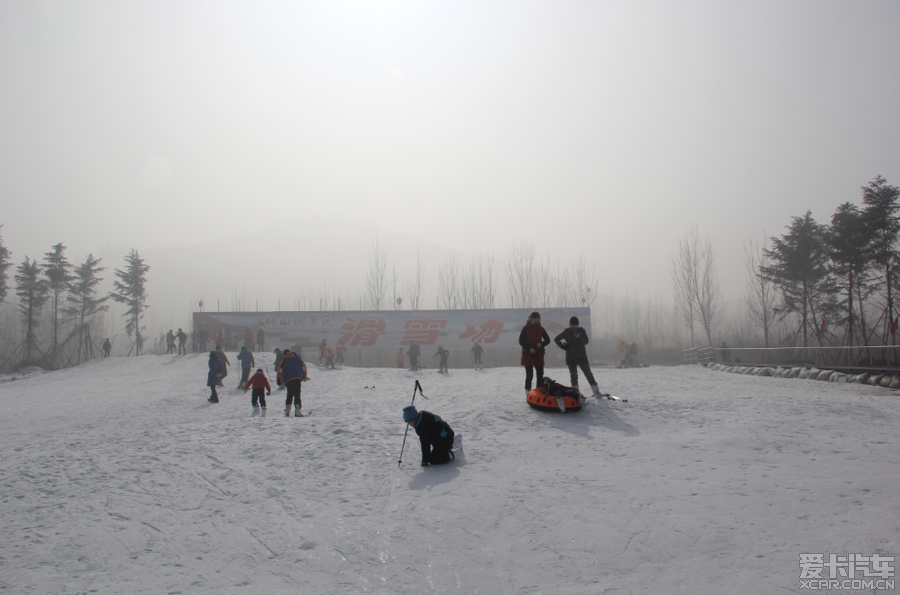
x,y
214,376
260,385
435,434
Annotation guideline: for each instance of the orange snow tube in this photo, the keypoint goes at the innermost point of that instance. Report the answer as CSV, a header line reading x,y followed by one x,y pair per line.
x,y
539,399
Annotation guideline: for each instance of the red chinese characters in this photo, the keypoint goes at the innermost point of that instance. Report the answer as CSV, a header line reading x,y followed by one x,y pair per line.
x,y
483,328
362,332
424,330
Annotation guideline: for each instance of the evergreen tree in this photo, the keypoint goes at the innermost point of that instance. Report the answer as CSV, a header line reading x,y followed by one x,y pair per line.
x,y
882,201
4,267
57,269
850,248
129,289
33,292
82,301
800,270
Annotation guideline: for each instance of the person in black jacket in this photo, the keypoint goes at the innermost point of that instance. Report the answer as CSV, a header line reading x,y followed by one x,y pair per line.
x,y
435,434
572,341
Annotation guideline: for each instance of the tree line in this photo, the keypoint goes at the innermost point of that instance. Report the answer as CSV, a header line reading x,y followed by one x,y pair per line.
x,y
58,306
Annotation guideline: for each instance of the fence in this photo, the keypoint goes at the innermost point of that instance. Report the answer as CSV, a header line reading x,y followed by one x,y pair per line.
x,y
867,356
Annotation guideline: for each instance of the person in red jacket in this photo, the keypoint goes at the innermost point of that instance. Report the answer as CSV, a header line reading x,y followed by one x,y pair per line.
x,y
259,383
533,339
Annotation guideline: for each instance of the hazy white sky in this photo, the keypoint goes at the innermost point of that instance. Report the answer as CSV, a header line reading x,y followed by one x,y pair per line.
x,y
595,128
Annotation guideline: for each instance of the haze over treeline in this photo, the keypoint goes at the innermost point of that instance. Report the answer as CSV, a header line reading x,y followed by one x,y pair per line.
x,y
816,283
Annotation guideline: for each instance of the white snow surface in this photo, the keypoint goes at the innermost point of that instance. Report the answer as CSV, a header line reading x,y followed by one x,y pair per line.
x,y
119,477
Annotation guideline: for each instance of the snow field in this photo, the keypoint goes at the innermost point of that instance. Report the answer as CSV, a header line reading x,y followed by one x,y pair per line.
x,y
118,476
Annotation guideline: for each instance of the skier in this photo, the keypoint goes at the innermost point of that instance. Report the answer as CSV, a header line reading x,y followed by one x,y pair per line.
x,y
340,350
170,342
435,435
225,363
322,347
399,358
294,370
247,362
107,347
261,340
414,351
477,350
444,355
278,356
260,385
202,337
572,341
329,358
533,339
182,337
214,378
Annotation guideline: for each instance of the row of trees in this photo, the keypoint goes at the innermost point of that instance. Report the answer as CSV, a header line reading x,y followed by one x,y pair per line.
x,y
834,283
64,297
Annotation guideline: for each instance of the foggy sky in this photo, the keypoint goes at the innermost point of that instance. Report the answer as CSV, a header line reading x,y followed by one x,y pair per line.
x,y
594,128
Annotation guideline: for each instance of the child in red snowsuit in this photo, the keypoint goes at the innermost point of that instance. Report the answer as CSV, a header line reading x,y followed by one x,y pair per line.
x,y
259,383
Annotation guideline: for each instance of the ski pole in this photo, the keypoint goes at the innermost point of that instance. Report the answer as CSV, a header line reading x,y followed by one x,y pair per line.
x,y
417,387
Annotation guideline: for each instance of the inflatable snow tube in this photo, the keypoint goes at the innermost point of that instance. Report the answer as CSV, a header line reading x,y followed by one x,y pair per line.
x,y
540,400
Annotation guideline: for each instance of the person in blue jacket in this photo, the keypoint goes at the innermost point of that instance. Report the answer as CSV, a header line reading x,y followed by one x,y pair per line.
x,y
293,373
247,362
435,434
214,376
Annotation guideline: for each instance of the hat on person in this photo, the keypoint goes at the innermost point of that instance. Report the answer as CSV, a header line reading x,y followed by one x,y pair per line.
x,y
259,370
573,320
410,414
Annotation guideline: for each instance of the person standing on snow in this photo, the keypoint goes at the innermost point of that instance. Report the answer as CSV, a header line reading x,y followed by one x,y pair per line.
x,y
225,363
202,337
214,378
533,339
247,362
399,358
107,347
444,355
170,342
341,349
329,358
294,371
413,353
322,346
477,350
261,340
435,435
260,385
572,341
182,337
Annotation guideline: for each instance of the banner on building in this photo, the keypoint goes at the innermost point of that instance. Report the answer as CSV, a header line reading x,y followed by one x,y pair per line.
x,y
381,329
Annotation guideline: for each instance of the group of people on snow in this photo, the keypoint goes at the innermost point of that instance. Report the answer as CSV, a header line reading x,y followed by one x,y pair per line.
x,y
291,371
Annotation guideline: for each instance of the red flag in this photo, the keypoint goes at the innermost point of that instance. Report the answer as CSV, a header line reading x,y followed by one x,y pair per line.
x,y
894,325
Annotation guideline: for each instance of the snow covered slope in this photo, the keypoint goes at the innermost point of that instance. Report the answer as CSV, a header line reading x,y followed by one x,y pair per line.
x,y
119,477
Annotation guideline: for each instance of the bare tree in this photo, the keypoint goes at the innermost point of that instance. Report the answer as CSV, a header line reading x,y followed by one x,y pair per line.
x,y
520,274
414,289
709,294
697,293
685,266
759,293
449,283
584,282
376,276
